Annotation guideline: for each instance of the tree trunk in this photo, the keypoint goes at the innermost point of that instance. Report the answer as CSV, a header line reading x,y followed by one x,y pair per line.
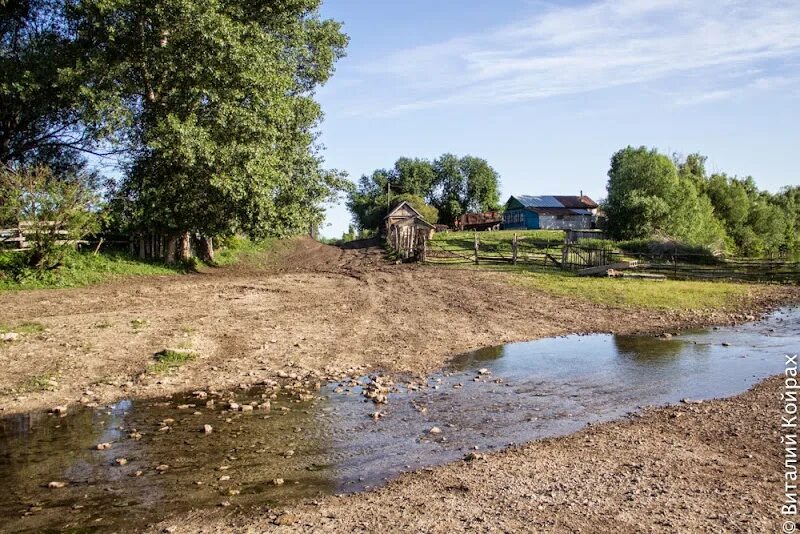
x,y
207,249
186,246
172,249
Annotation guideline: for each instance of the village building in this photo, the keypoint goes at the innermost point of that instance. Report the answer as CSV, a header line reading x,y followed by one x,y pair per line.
x,y
556,212
488,220
406,229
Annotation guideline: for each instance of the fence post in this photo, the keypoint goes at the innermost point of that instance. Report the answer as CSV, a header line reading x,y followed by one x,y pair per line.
x,y
514,249
564,256
476,248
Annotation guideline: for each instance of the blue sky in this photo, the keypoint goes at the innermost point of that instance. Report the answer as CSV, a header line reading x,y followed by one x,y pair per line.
x,y
547,91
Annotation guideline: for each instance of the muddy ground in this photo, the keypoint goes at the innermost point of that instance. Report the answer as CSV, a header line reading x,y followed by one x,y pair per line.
x,y
306,309
710,467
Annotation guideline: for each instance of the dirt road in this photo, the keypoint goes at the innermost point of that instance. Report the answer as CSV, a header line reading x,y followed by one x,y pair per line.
x,y
307,308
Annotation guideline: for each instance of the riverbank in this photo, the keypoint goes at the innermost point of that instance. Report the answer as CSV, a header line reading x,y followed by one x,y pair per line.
x,y
708,467
312,311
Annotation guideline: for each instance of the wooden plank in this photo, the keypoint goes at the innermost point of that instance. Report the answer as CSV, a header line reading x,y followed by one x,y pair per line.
x,y
603,268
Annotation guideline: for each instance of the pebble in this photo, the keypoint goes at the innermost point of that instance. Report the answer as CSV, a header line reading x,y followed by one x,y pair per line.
x,y
435,430
161,468
121,461
59,410
103,446
286,519
56,484
223,478
10,336
277,481
484,371
208,429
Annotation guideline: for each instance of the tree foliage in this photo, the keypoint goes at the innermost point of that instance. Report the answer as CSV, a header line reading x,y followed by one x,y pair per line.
x,y
651,195
52,211
220,100
442,189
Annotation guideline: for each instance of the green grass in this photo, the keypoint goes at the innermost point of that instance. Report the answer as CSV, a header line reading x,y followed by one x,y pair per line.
x,y
169,359
38,383
236,249
82,269
22,328
660,295
459,238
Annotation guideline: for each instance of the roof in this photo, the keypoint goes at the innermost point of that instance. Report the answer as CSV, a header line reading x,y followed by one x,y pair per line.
x,y
397,208
555,201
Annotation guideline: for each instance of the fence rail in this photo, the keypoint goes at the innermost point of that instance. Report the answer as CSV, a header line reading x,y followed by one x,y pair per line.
x,y
598,259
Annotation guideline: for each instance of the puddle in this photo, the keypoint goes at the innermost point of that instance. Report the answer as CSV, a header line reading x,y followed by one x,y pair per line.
x,y
331,444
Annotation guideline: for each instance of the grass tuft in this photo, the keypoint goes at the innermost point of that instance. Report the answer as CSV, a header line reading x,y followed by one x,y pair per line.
x,y
169,359
23,328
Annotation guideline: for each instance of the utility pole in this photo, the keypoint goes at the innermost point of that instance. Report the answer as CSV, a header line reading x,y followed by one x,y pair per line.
x,y
388,194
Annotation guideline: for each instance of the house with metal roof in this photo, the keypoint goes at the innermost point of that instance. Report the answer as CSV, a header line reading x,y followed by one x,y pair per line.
x,y
556,212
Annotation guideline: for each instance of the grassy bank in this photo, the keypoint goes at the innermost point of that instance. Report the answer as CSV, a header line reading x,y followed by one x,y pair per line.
x,y
86,268
664,295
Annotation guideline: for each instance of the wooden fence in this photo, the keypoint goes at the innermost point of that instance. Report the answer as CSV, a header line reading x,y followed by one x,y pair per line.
x,y
521,251
597,259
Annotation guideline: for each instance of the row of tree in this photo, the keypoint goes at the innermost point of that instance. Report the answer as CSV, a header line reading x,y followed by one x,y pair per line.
x,y
651,194
206,106
442,189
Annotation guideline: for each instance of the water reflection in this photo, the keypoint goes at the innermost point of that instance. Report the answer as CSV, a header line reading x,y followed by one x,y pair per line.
x,y
332,444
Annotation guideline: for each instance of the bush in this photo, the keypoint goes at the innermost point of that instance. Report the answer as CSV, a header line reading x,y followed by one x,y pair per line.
x,y
52,212
669,248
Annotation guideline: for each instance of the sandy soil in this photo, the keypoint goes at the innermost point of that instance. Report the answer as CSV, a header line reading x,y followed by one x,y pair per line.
x,y
308,308
710,467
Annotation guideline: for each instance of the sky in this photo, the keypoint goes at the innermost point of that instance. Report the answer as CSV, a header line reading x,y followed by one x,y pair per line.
x,y
546,92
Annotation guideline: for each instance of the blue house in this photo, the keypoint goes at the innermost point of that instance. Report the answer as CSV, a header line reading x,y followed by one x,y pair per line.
x,y
557,212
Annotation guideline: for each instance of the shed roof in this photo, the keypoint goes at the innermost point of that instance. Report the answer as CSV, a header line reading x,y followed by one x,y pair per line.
x,y
401,205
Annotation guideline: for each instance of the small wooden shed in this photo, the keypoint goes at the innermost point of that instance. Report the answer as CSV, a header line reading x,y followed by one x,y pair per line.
x,y
406,230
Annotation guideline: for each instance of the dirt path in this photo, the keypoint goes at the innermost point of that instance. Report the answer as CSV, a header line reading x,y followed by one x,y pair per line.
x,y
310,309
712,467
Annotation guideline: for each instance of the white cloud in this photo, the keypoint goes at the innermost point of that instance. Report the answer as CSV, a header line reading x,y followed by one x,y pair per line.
x,y
568,50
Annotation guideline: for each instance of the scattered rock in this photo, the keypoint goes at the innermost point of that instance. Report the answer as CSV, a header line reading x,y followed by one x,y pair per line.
x,y
691,401
59,410
208,429
161,468
472,456
10,336
286,519
135,435
484,371
121,461
247,408
103,446
435,430
277,481
56,484
233,406
223,478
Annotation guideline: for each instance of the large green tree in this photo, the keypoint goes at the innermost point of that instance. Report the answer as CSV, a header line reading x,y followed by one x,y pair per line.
x,y
649,196
450,185
219,94
51,114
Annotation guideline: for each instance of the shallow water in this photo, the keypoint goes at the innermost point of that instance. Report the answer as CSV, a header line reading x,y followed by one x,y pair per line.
x,y
528,390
